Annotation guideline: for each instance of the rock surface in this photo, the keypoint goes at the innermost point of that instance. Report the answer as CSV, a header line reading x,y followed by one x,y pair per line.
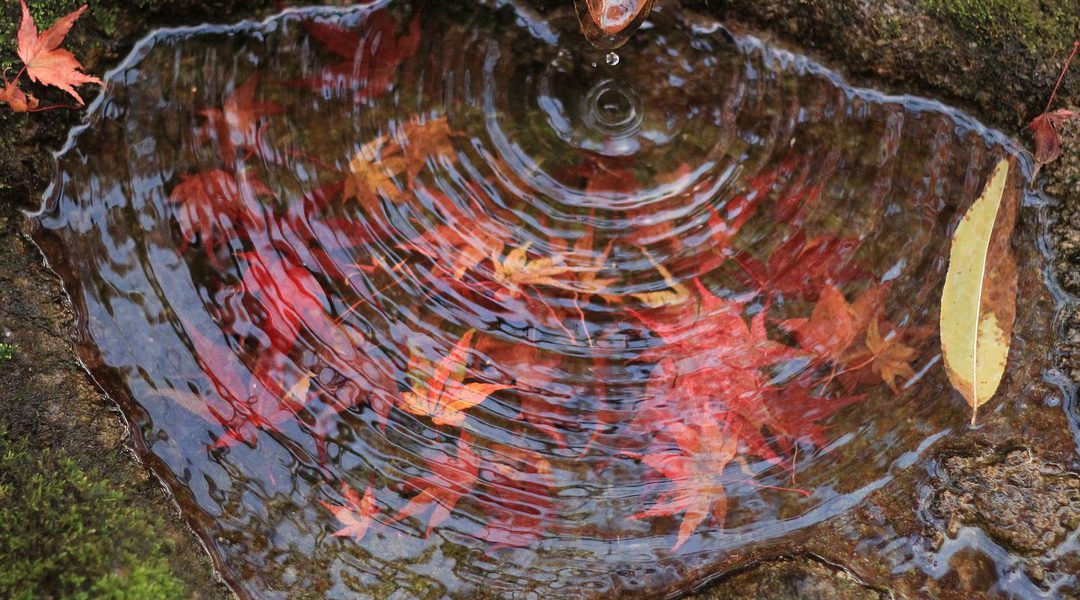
x,y
794,578
1021,502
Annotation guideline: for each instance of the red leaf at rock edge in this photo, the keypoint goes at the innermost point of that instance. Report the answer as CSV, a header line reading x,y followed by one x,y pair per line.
x,y
47,63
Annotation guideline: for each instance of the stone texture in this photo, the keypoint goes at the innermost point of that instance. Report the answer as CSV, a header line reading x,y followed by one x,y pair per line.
x,y
791,579
1021,502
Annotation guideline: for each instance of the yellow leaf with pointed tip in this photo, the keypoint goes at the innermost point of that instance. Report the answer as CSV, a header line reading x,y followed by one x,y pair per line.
x,y
676,293
978,302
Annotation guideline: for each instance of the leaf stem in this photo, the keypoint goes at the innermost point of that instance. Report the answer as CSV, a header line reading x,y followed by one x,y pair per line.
x,y
54,107
1053,94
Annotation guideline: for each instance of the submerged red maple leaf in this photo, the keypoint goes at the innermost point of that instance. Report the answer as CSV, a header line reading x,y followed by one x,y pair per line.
x,y
248,399
237,123
710,364
802,266
884,358
214,204
370,60
451,479
357,515
290,297
835,324
694,467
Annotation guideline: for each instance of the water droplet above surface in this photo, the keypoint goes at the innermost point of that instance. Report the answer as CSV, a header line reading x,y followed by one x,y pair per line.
x,y
527,318
611,59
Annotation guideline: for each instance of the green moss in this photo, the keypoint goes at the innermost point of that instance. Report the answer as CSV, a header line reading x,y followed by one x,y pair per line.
x,y
1046,27
7,352
69,533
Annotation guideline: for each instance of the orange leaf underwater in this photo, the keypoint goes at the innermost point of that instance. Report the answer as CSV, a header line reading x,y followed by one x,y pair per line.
x,y
441,393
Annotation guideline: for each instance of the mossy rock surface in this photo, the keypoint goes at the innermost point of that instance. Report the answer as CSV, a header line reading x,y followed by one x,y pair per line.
x,y
1034,23
66,532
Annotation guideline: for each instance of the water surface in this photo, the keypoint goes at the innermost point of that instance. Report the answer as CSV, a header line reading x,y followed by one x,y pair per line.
x,y
432,300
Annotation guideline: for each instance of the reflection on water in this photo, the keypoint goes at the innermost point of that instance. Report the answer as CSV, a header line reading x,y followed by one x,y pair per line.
x,y
432,300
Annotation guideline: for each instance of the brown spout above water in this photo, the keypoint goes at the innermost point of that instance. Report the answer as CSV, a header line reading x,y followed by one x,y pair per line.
x,y
608,24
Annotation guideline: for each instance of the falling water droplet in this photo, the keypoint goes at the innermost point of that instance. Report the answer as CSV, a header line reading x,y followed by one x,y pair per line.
x,y
612,59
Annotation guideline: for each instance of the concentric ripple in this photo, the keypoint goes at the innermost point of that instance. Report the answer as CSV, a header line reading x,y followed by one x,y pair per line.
x,y
433,300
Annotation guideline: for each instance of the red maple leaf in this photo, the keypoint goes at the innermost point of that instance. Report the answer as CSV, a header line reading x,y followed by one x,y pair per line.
x,y
713,330
463,237
694,467
278,299
237,123
1047,139
1046,125
248,399
883,358
214,204
801,413
710,364
452,478
370,60
801,267
375,170
835,324
45,61
290,297
357,515
16,99
694,463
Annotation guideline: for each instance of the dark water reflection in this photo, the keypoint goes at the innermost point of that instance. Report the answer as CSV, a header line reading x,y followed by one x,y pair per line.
x,y
562,327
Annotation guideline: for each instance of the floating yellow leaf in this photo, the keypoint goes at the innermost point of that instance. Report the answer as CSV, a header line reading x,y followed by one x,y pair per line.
x,y
978,302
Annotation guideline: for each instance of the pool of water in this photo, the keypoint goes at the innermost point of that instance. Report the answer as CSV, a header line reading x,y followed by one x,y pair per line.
x,y
436,300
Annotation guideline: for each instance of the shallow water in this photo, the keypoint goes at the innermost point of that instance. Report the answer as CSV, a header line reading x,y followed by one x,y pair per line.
x,y
560,325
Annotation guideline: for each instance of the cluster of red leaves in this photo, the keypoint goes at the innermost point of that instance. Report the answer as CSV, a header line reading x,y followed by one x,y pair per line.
x,y
719,388
45,62
277,302
714,373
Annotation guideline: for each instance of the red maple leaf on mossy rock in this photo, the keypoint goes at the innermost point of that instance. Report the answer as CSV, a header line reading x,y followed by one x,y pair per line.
x,y
45,61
